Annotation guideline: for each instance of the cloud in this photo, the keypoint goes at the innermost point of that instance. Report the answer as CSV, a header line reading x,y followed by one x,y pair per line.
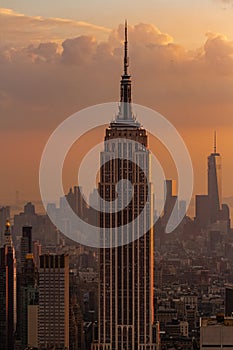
x,y
79,50
219,52
19,29
56,79
50,69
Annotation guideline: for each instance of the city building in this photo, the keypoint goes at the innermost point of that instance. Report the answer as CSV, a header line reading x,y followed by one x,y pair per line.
x,y
126,310
216,333
229,300
37,251
7,292
54,302
32,329
43,229
170,201
25,244
28,295
202,215
177,328
76,330
4,216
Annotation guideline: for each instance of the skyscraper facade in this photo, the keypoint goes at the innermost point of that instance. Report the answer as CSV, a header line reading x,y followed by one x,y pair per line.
x,y
4,215
54,302
7,292
28,294
126,312
25,244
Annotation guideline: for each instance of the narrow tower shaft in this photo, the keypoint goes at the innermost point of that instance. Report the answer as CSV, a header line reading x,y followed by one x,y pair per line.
x,y
214,182
125,109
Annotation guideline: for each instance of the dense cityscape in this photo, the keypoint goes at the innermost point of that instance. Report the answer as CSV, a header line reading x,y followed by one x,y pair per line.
x,y
160,291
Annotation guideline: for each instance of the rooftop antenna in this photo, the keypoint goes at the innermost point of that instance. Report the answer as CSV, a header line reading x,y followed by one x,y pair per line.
x,y
215,141
126,60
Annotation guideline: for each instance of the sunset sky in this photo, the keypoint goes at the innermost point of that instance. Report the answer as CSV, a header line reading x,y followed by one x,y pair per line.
x,y
57,57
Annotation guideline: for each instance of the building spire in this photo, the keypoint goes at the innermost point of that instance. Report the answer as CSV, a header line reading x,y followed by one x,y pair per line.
x,y
215,141
125,115
125,110
126,59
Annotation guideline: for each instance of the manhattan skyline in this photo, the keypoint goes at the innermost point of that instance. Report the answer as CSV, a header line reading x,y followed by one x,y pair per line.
x,y
111,277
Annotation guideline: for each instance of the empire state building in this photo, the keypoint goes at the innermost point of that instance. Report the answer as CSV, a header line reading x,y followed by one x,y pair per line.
x,y
126,310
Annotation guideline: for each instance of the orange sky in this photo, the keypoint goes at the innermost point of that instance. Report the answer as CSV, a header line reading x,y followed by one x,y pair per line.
x,y
46,76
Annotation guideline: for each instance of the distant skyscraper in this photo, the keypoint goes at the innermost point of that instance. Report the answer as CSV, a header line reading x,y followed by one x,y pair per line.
x,y
41,226
4,216
76,331
202,208
209,208
126,311
28,295
214,183
26,243
37,251
27,284
170,202
7,292
54,302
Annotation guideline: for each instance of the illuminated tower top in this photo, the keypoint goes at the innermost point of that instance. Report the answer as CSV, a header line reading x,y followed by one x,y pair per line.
x,y
8,237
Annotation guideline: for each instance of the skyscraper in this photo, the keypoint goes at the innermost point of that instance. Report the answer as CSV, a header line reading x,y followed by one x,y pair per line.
x,y
27,285
126,281
54,302
214,183
25,244
4,215
28,296
170,202
7,292
209,208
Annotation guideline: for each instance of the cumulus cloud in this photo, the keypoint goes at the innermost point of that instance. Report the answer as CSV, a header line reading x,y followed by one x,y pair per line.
x,y
219,51
79,50
59,78
49,70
